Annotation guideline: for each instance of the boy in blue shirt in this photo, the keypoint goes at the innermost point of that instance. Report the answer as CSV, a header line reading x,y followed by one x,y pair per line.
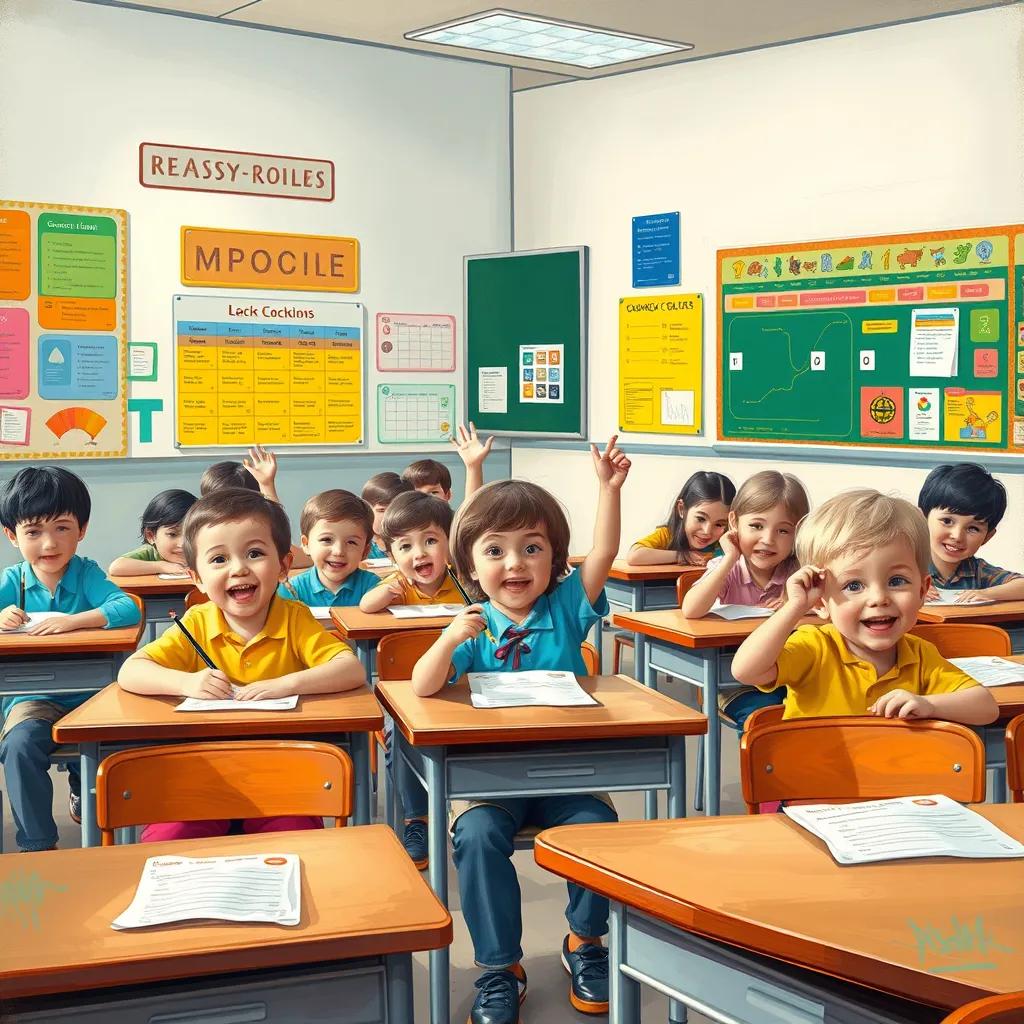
x,y
45,512
378,492
337,528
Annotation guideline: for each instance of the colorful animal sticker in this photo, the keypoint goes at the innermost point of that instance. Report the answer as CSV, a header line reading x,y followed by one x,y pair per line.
x,y
909,258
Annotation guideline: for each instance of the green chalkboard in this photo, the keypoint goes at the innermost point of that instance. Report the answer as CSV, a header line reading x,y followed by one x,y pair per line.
x,y
526,342
902,341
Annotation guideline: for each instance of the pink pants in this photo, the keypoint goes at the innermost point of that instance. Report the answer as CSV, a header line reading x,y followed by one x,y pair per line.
x,y
163,831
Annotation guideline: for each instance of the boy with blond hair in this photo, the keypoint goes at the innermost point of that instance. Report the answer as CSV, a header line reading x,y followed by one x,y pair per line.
x,y
864,567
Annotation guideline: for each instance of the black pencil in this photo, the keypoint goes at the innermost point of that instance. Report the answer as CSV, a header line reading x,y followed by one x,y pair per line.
x,y
192,640
21,597
468,600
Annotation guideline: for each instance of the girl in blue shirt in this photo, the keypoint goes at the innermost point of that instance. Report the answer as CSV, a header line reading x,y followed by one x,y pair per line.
x,y
510,546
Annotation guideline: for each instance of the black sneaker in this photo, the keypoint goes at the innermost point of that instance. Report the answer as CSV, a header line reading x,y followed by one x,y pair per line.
x,y
415,842
75,807
588,969
499,996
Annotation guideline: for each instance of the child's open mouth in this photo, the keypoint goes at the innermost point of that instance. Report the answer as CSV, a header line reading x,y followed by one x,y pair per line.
x,y
424,569
953,549
880,624
242,593
336,566
516,586
763,553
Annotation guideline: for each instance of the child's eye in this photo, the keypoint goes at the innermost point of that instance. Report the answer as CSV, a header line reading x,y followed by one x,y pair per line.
x,y
492,551
533,549
898,581
945,520
254,553
216,559
853,587
405,547
974,529
431,541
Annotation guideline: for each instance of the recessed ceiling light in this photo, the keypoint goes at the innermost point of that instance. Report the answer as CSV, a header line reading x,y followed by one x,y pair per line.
x,y
535,38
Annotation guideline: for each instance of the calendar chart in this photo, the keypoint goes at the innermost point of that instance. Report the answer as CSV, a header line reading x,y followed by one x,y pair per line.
x,y
415,413
419,342
259,371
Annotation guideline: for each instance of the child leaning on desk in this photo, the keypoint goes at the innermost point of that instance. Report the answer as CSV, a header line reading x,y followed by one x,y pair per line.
x,y
864,566
237,551
45,512
510,544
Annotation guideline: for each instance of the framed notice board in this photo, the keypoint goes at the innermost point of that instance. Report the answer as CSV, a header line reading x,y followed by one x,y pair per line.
x,y
911,341
526,342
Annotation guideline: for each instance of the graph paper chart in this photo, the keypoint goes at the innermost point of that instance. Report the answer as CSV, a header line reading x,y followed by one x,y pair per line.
x,y
420,342
415,413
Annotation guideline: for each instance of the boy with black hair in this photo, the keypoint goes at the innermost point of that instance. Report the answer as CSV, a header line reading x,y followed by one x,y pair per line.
x,y
963,504
378,492
45,512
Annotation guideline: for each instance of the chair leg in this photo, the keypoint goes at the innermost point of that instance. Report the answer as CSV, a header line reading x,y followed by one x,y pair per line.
x,y
698,791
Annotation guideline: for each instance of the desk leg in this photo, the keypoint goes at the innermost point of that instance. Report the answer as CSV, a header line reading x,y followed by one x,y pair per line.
x,y
623,991
88,757
364,648
713,745
997,791
390,772
650,679
360,746
677,777
398,977
437,844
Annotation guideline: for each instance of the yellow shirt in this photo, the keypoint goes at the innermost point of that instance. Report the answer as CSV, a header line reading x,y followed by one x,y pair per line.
x,y
823,678
291,640
448,594
660,540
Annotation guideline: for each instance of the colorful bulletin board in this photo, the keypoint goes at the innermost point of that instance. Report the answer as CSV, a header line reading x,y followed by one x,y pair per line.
x,y
63,331
526,342
661,341
903,341
267,371
415,413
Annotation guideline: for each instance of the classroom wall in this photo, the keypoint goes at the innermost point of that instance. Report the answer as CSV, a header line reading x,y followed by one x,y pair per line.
x,y
907,128
421,152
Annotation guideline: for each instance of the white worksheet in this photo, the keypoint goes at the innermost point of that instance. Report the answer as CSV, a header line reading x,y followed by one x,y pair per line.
x,y
991,671
321,612
424,611
739,611
527,689
231,704
172,576
379,563
36,617
950,597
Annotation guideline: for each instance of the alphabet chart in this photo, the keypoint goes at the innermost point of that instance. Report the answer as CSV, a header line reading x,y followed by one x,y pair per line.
x,y
416,413
419,342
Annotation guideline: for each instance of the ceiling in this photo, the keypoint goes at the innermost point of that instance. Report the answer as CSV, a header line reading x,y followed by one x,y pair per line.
x,y
714,27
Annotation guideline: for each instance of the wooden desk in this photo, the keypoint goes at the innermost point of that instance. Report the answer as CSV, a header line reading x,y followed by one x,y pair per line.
x,y
634,739
363,630
161,596
116,719
699,652
58,938
707,900
1009,615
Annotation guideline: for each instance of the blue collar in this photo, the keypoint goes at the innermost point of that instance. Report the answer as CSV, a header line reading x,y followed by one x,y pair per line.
x,y
69,581
538,619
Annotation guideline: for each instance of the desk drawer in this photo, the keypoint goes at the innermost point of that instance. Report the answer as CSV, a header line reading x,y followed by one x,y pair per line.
x,y
581,768
356,994
57,675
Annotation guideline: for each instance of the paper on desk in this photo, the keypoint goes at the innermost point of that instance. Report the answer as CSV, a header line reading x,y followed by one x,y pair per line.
x,y
172,576
424,611
321,612
259,887
991,671
231,704
35,617
527,689
910,826
739,611
950,597
378,563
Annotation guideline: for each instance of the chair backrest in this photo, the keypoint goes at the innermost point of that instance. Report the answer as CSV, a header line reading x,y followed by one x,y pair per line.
x,y
590,658
838,759
965,639
236,779
1004,1009
1015,758
195,596
764,716
684,581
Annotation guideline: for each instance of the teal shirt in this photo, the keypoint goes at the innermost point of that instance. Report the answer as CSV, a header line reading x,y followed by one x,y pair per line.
x,y
376,551
83,587
558,623
312,592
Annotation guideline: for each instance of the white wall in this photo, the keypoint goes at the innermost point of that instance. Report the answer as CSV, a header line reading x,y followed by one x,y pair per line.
x,y
901,129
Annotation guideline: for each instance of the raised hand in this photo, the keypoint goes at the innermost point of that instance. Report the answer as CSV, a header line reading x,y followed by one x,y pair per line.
x,y
611,465
471,450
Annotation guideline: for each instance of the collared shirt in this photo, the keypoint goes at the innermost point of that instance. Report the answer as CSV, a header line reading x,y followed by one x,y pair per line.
x,y
558,623
661,540
83,587
311,590
448,593
291,640
146,553
740,587
972,574
823,678
376,551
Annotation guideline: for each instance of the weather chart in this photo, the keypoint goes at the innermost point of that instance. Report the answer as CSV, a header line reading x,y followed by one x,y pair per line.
x,y
63,331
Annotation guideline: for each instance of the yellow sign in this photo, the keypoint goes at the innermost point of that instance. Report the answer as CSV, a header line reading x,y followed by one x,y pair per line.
x,y
661,341
973,415
211,257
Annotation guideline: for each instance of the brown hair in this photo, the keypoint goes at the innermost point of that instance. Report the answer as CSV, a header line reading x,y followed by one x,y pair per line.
x,y
765,490
383,488
428,473
227,474
508,505
229,505
415,511
335,506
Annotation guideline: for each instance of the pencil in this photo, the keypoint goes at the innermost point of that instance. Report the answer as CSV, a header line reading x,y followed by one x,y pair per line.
x,y
468,600
21,597
192,640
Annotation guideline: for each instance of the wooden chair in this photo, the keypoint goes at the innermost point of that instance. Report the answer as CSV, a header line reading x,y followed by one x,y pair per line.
x,y
625,639
1015,760
965,639
845,759
1004,1009
236,779
195,596
764,716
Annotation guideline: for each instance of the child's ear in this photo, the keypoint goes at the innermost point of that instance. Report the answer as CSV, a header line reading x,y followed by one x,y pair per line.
x,y
733,521
926,582
988,536
11,536
366,551
821,611
448,496
304,544
81,532
680,508
286,564
194,576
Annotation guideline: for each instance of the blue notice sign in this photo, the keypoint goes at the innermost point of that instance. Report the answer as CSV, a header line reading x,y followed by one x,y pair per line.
x,y
656,250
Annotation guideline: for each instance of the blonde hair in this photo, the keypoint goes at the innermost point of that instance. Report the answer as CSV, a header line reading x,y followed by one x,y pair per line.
x,y
765,490
857,521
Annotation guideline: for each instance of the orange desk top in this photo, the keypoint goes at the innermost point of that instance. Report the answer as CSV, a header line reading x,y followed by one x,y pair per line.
x,y
625,709
1001,611
80,641
764,884
706,632
114,714
1010,698
353,624
622,570
152,586
57,934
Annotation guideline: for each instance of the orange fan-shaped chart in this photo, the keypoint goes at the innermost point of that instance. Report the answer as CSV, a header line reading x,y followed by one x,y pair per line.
x,y
77,418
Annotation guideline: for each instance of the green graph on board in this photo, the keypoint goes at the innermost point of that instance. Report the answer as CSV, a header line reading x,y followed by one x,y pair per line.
x,y
791,375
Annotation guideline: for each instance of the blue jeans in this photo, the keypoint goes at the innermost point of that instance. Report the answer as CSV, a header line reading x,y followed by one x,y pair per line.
x,y
25,754
491,900
411,793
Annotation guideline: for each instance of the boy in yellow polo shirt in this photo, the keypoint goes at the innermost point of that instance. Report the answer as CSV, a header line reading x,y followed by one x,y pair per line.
x,y
864,559
237,548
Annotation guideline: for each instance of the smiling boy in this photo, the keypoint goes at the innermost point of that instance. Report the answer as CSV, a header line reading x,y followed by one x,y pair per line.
x,y
864,560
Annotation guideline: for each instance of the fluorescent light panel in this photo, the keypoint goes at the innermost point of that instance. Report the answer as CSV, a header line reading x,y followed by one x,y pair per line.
x,y
537,38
